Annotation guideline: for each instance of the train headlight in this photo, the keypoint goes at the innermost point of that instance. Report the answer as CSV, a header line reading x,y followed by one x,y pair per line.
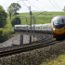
x,y
54,29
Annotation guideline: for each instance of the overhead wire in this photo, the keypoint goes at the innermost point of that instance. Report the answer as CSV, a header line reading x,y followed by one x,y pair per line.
x,y
25,4
56,4
52,3
31,5
35,8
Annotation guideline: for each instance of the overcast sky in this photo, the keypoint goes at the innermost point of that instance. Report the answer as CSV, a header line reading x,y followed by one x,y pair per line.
x,y
36,5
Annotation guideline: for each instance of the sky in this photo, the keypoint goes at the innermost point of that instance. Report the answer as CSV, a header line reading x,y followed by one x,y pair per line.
x,y
36,5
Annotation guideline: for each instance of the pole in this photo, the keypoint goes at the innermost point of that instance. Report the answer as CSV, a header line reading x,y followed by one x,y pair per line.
x,y
21,39
30,23
30,17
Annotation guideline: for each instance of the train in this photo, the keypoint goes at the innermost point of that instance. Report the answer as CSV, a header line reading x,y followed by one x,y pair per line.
x,y
57,27
40,27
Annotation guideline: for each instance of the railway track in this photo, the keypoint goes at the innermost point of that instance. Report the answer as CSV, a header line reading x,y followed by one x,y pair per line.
x,y
43,42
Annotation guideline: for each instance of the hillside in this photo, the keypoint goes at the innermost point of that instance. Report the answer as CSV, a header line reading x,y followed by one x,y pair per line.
x,y
39,17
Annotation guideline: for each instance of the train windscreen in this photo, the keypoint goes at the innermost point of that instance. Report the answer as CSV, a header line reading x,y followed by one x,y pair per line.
x,y
59,23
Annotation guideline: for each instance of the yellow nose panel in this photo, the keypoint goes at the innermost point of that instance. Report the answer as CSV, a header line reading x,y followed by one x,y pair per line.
x,y
59,31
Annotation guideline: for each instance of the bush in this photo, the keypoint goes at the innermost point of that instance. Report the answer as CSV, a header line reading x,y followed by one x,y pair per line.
x,y
4,35
16,21
1,36
3,17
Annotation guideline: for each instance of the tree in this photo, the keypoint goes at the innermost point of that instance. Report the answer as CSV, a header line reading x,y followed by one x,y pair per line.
x,y
13,8
3,17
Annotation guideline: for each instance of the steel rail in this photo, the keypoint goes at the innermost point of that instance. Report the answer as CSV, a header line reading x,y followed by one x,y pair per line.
x,y
27,47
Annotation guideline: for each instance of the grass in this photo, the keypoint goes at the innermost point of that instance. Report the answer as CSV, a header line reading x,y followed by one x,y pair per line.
x,y
58,61
39,17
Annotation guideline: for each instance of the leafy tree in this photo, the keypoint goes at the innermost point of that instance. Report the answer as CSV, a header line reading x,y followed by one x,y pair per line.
x,y
13,8
3,17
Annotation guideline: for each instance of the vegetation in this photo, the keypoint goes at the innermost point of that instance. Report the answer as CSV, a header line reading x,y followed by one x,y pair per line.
x,y
3,17
4,28
39,17
16,21
13,8
58,61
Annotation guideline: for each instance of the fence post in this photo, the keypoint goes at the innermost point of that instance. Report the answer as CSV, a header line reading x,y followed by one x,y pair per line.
x,y
21,39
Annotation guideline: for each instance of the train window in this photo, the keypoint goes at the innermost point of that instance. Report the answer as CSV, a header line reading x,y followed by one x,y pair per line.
x,y
38,28
55,22
63,21
58,22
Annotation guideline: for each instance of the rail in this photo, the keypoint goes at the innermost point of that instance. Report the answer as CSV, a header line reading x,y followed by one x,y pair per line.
x,y
35,45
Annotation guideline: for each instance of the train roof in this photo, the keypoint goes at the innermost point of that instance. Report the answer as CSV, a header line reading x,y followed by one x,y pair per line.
x,y
57,18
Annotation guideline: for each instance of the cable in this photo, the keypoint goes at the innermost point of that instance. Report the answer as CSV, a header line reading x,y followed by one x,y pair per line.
x,y
33,5
56,4
25,4
21,0
28,7
52,4
28,3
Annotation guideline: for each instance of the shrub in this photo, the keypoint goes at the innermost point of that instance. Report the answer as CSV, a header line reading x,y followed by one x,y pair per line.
x,y
4,35
3,17
16,21
1,36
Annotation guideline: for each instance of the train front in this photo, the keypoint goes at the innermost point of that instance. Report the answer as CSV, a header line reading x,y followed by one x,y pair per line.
x,y
58,26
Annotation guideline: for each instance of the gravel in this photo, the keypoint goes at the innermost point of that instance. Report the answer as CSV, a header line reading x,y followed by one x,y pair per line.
x,y
35,57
